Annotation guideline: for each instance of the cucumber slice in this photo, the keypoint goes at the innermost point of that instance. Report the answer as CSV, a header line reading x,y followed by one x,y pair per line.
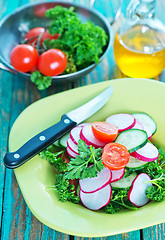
x,y
135,164
63,140
56,144
124,183
132,139
148,123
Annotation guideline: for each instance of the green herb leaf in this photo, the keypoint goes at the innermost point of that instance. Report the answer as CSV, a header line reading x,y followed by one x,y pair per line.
x,y
119,200
87,164
41,81
65,190
55,159
84,42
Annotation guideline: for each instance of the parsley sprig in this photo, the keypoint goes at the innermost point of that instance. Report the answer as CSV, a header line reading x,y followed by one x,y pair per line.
x,y
87,164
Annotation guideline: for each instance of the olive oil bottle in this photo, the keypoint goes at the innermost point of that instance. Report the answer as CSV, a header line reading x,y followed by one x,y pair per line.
x,y
139,45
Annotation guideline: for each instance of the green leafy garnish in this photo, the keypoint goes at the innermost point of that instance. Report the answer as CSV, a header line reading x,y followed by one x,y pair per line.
x,y
119,200
65,190
156,192
83,41
41,81
54,158
87,164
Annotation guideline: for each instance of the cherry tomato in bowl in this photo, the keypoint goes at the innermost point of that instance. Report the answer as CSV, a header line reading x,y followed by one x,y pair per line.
x,y
115,156
47,35
32,36
52,62
24,57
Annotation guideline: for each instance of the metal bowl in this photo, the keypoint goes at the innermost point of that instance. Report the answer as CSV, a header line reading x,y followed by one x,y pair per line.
x,y
14,26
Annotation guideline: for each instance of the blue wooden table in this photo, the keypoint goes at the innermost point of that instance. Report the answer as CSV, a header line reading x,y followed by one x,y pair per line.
x,y
16,93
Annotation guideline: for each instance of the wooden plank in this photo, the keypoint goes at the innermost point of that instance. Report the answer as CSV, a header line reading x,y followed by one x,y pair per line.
x,y
5,104
135,235
156,232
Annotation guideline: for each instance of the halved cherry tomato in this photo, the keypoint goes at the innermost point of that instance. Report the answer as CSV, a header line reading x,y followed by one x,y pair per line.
x,y
115,156
24,57
52,62
105,132
33,35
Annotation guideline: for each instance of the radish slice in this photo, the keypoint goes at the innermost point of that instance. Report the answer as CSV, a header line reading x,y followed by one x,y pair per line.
x,y
123,121
96,200
147,153
117,174
87,136
71,153
75,134
89,185
83,124
72,146
138,125
136,193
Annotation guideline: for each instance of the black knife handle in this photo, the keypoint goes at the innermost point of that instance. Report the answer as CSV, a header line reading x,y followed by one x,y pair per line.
x,y
38,143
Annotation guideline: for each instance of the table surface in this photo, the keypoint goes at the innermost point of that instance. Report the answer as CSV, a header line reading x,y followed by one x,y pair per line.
x,y
16,93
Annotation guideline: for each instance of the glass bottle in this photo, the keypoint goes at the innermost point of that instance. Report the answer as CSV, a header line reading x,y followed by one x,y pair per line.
x,y
139,46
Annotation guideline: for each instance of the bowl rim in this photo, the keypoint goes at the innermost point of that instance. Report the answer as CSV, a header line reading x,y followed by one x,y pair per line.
x,y
78,5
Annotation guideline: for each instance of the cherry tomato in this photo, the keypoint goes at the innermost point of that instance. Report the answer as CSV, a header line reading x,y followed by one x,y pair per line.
x,y
40,10
115,156
47,35
32,35
52,62
23,57
105,132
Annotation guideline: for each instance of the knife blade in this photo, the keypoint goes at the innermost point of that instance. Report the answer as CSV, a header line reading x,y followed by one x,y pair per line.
x,y
45,138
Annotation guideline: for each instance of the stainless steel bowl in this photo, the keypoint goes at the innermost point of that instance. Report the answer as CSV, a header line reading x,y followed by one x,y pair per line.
x,y
14,26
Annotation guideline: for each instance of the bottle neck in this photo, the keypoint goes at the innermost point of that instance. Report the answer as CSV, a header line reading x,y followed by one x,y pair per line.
x,y
141,9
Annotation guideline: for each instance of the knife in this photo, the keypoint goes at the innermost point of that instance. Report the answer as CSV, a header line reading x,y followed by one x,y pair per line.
x,y
47,137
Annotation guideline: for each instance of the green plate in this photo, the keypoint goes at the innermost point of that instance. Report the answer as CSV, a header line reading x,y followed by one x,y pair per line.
x,y
130,95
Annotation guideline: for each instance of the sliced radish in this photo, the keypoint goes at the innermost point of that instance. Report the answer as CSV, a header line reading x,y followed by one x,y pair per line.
x,y
136,193
87,136
123,121
138,125
117,174
71,153
83,124
72,146
75,134
147,153
96,200
89,185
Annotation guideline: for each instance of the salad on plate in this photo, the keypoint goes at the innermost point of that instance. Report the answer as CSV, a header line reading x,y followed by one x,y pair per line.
x,y
110,165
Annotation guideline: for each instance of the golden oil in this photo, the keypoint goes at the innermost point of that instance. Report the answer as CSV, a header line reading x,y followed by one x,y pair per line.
x,y
140,52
